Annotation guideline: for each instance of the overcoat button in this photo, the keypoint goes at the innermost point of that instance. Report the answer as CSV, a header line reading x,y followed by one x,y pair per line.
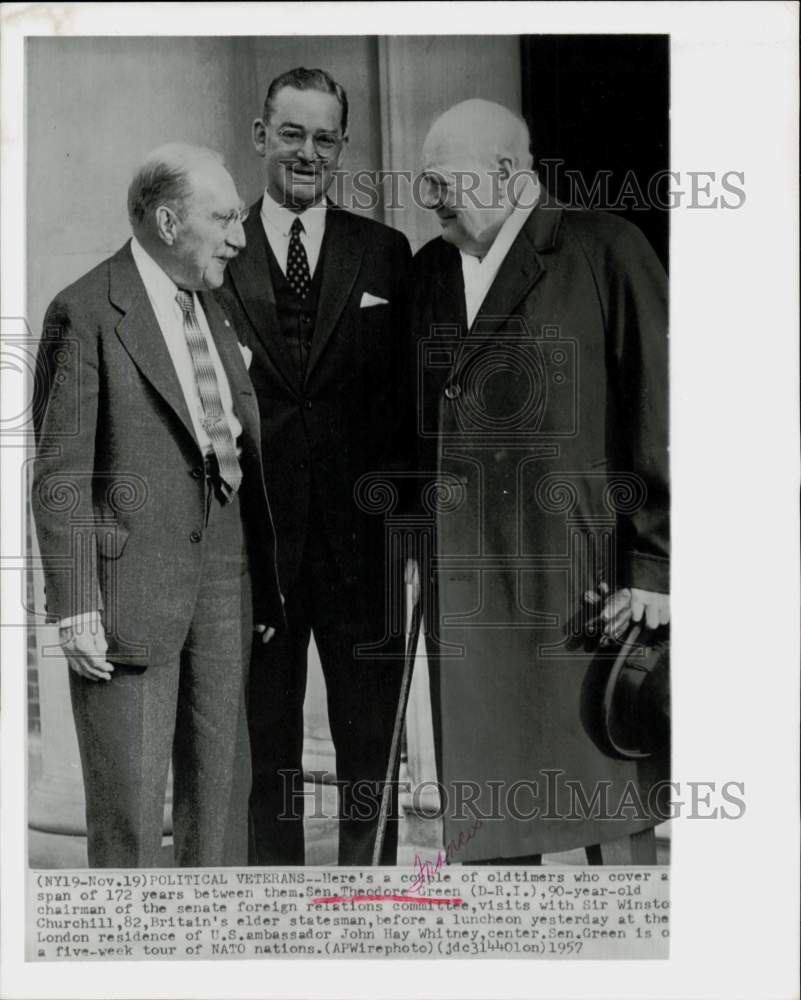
x,y
452,391
195,536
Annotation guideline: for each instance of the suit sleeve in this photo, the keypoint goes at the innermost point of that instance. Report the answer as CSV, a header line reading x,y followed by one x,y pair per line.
x,y
638,323
65,421
393,398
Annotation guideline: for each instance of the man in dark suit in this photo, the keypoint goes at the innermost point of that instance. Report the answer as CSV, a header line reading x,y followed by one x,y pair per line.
x,y
541,335
318,295
153,521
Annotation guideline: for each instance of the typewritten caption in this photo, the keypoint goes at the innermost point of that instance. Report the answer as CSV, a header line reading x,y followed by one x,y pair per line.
x,y
290,913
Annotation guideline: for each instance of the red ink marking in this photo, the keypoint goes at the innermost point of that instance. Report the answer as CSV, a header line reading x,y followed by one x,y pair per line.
x,y
425,871
384,899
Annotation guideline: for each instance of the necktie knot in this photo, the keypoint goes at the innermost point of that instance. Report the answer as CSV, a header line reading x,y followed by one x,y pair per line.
x,y
186,301
296,228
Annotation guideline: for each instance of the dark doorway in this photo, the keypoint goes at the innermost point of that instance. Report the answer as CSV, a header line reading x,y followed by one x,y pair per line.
x,y
598,107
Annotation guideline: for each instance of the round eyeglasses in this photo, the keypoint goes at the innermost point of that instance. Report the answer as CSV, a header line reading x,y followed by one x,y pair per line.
x,y
325,143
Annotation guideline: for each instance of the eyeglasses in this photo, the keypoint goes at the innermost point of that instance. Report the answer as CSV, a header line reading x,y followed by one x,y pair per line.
x,y
325,143
438,186
235,215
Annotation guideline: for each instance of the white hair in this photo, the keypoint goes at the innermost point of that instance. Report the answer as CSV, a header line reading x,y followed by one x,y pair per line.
x,y
163,178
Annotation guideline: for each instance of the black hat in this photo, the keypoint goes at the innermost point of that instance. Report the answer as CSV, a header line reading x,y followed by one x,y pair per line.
x,y
626,695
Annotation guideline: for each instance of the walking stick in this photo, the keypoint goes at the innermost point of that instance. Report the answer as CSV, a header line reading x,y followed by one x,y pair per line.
x,y
412,636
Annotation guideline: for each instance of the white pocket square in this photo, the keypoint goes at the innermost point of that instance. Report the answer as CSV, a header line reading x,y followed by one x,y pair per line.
x,y
247,355
372,300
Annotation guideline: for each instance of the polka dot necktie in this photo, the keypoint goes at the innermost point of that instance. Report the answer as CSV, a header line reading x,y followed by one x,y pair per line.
x,y
297,263
214,422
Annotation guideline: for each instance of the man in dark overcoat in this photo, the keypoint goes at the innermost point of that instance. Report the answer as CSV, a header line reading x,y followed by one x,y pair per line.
x,y
541,352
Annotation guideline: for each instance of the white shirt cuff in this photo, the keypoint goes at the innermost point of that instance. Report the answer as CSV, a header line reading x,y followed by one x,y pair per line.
x,y
87,618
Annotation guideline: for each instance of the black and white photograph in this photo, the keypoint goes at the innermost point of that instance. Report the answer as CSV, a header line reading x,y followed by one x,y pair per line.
x,y
357,368
486,422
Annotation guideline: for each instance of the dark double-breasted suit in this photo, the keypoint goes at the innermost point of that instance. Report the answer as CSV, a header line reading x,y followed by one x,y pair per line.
x,y
125,524
324,425
545,424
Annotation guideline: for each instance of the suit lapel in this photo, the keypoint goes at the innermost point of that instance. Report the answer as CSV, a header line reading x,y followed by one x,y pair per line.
x,y
521,269
448,292
139,331
340,257
250,275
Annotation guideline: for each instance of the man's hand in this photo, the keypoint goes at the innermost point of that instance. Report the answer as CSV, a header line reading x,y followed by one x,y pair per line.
x,y
85,647
630,605
656,607
265,631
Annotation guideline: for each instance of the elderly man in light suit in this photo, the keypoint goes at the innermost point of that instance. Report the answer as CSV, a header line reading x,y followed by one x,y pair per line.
x,y
541,338
153,521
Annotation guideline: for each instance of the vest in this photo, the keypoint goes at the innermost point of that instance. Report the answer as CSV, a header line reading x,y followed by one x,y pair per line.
x,y
297,317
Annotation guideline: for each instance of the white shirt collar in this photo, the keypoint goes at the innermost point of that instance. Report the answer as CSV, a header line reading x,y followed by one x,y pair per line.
x,y
479,275
158,283
279,217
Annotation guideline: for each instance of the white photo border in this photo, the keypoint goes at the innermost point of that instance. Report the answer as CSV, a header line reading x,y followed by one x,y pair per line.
x,y
735,448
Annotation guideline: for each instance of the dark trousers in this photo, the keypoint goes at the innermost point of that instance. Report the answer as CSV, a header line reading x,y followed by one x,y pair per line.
x,y
362,696
189,707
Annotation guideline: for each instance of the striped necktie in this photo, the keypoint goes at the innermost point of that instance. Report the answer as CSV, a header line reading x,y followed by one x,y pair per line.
x,y
214,422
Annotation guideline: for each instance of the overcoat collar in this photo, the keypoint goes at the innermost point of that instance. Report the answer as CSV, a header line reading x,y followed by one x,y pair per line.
x,y
141,336
521,269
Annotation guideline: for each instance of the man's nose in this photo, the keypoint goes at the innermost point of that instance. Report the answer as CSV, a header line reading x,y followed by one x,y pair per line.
x,y
236,235
307,150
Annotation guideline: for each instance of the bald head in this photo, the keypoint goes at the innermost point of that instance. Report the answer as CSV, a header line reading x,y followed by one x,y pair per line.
x,y
475,157
480,130
185,211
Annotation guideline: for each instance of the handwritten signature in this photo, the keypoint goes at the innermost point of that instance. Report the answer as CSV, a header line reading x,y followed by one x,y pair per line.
x,y
426,871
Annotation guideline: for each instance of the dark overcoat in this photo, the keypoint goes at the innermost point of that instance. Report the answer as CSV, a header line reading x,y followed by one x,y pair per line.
x,y
544,426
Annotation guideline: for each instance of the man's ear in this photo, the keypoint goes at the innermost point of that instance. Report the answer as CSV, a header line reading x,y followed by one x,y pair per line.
x,y
506,175
166,224
259,135
342,152
505,168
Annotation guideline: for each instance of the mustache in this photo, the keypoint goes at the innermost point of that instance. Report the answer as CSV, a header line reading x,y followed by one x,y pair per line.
x,y
298,167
